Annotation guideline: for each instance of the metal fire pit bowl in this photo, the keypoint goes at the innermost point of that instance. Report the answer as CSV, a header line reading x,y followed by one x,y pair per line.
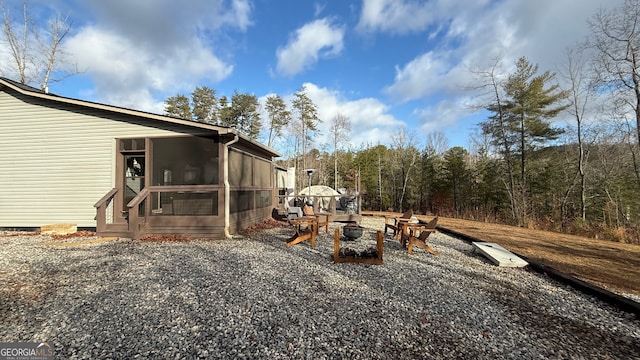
x,y
352,231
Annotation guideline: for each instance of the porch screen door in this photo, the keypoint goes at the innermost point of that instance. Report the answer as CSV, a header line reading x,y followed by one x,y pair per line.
x,y
134,166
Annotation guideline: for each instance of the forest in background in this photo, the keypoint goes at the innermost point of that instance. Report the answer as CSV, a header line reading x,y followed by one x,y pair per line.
x,y
472,185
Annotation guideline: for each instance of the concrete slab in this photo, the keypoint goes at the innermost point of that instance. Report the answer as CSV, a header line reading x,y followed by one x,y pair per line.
x,y
499,255
80,243
58,229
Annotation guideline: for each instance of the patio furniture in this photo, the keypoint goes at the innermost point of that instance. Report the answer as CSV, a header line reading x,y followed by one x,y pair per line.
x,y
305,228
370,257
322,219
408,229
398,221
424,229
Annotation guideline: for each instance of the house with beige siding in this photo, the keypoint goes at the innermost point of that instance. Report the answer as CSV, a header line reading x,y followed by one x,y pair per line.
x,y
126,172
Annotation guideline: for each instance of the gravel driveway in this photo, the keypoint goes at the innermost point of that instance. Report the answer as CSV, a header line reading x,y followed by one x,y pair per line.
x,y
255,298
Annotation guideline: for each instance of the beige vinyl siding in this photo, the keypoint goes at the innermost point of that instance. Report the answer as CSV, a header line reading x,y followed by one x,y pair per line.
x,y
57,160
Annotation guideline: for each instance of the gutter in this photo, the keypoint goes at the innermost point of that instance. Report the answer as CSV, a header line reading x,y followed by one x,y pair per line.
x,y
227,190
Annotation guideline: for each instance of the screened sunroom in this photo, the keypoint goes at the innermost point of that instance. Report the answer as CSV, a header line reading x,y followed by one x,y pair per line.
x,y
201,186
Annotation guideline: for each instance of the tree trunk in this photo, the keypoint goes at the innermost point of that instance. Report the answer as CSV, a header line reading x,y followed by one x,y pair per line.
x,y
583,181
523,173
380,182
335,170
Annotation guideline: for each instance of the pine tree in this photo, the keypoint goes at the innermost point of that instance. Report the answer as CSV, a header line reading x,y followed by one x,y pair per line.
x,y
244,114
307,122
279,116
521,121
205,105
178,106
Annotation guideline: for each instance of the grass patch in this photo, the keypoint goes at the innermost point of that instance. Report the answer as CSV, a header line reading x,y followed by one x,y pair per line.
x,y
612,265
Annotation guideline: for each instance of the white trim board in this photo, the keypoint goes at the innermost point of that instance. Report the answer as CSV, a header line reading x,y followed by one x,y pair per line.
x,y
499,255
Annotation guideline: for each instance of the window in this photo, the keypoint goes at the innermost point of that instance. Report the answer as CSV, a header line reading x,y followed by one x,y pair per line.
x,y
264,198
131,144
241,201
184,203
188,160
240,169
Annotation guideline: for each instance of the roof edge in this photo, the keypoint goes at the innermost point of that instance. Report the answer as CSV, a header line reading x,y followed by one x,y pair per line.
x,y
33,92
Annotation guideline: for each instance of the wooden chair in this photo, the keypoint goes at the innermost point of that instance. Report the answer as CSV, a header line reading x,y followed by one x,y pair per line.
x,y
396,225
304,228
408,229
322,219
425,229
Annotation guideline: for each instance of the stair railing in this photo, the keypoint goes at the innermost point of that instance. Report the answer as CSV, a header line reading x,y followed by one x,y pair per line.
x,y
101,209
135,225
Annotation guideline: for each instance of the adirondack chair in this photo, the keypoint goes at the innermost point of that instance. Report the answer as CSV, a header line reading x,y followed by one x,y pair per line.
x,y
322,219
425,229
395,222
304,228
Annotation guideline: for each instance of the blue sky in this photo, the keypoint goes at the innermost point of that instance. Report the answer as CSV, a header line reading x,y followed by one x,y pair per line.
x,y
385,64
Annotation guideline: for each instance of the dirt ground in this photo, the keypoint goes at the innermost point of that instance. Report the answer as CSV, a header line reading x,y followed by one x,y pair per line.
x,y
611,265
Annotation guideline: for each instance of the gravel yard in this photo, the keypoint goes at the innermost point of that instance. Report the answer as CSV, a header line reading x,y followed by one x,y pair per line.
x,y
255,298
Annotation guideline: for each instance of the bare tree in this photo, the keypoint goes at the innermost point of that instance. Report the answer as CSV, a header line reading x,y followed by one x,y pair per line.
x,y
36,52
490,84
581,95
17,42
340,128
406,156
615,35
437,143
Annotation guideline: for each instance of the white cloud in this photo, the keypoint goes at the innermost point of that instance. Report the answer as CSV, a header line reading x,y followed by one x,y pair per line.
x,y
477,34
471,39
420,77
137,51
318,8
395,16
314,40
162,21
125,74
444,114
371,122
474,36
240,15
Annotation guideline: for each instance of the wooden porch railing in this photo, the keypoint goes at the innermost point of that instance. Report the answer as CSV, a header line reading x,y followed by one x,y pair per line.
x,y
335,205
135,225
101,209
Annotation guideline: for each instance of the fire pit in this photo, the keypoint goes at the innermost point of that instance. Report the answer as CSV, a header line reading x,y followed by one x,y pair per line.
x,y
352,231
368,256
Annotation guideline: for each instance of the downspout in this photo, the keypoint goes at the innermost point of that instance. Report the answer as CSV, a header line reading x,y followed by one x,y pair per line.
x,y
227,191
